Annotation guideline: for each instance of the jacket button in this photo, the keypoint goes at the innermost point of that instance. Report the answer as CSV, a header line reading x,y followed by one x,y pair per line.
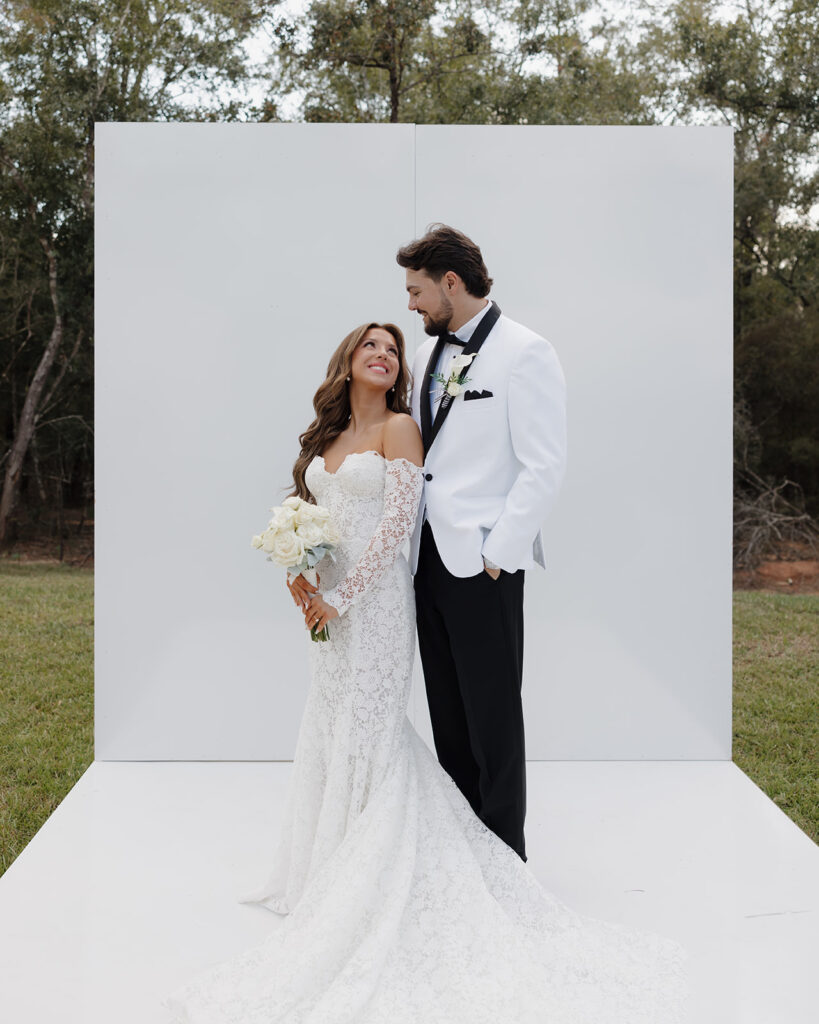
x,y
428,476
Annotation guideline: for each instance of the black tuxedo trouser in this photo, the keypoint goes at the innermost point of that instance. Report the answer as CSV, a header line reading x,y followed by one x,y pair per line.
x,y
470,636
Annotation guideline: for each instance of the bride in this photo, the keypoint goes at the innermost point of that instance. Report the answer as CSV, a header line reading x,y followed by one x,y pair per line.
x,y
400,906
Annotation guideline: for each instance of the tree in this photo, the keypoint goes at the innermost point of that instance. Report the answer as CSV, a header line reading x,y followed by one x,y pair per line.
x,y
64,65
759,72
430,62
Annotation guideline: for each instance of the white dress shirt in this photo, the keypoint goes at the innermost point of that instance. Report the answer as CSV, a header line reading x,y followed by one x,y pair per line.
x,y
448,352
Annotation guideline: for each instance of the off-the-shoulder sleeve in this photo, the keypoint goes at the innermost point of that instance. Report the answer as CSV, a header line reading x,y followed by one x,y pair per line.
x,y
403,485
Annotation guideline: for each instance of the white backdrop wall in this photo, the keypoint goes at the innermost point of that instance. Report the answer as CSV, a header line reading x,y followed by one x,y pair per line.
x,y
231,259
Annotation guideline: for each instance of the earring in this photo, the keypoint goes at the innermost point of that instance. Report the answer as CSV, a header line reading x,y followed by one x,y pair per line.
x,y
348,377
392,388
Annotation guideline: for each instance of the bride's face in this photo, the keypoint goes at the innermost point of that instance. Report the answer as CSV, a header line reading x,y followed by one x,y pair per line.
x,y
376,360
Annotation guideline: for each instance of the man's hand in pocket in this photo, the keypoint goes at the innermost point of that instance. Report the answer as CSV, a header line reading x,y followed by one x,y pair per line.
x,y
494,573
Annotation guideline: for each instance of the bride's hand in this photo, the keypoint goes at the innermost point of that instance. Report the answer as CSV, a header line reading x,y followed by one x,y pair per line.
x,y
301,589
318,613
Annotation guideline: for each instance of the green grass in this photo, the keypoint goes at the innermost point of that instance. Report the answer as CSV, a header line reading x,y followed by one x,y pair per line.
x,y
776,699
47,696
46,693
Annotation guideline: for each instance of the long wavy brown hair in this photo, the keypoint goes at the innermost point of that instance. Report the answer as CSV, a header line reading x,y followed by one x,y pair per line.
x,y
332,401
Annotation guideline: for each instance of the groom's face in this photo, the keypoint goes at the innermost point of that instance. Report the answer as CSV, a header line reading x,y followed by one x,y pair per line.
x,y
429,299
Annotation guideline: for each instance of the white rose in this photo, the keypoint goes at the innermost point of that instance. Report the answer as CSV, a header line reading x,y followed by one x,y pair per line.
x,y
292,502
453,388
283,519
287,549
331,534
256,541
311,533
304,513
320,513
268,537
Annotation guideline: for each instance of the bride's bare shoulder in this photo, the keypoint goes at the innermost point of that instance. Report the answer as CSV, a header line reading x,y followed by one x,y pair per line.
x,y
401,439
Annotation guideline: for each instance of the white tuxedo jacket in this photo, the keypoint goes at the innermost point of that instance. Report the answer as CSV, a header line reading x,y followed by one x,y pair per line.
x,y
495,465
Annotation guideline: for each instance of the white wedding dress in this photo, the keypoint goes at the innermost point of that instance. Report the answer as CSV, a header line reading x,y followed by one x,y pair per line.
x,y
401,906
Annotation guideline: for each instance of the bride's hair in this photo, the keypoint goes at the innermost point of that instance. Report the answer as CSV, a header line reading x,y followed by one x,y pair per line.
x,y
332,401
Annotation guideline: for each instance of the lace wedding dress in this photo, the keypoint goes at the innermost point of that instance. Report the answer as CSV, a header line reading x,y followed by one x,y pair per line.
x,y
401,906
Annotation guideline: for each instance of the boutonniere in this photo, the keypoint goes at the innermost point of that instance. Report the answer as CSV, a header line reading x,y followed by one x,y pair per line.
x,y
453,385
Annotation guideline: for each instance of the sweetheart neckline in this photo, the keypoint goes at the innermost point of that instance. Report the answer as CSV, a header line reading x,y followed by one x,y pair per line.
x,y
368,451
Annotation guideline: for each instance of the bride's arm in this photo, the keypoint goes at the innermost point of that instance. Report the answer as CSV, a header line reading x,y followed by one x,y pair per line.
x,y
403,450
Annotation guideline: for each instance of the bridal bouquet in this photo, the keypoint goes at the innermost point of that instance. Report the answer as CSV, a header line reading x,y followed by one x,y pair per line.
x,y
297,537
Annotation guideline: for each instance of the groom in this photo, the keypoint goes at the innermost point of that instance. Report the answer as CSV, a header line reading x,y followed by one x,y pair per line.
x,y
495,456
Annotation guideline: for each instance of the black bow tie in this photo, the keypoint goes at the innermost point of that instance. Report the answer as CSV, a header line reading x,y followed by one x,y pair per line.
x,y
452,339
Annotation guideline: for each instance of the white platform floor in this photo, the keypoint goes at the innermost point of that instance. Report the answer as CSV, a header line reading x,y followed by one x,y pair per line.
x,y
131,885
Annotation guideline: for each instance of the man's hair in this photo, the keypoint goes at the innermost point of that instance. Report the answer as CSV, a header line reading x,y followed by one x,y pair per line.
x,y
444,248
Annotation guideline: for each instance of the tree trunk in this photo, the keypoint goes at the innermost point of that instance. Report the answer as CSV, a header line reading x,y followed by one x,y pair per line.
x,y
395,94
29,414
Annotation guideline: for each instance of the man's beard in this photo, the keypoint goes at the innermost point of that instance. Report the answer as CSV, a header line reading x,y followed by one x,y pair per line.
x,y
438,325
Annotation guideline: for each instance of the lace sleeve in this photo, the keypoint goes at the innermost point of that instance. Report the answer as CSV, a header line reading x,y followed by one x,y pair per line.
x,y
402,494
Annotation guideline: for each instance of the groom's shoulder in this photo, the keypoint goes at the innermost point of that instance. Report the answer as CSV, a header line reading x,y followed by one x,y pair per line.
x,y
519,335
526,350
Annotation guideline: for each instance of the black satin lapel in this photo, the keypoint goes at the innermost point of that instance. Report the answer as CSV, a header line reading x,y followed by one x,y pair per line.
x,y
426,415
479,335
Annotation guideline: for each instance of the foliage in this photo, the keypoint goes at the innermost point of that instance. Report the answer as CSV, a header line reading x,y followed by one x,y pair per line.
x,y
759,72
67,64
431,62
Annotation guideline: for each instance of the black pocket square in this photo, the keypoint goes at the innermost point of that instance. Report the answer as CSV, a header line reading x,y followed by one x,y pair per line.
x,y
477,394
